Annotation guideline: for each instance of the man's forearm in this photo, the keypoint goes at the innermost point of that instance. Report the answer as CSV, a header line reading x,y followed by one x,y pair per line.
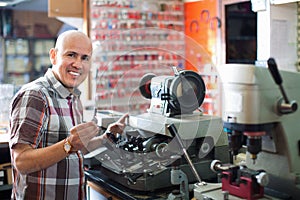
x,y
28,160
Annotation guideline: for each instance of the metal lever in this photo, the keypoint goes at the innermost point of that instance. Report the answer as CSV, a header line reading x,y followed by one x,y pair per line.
x,y
285,106
175,134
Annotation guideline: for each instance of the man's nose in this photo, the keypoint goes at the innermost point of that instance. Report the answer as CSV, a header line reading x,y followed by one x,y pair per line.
x,y
78,62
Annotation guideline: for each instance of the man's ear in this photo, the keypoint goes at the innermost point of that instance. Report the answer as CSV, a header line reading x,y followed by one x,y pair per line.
x,y
52,55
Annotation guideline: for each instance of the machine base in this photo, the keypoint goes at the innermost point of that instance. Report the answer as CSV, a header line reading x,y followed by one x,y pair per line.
x,y
214,191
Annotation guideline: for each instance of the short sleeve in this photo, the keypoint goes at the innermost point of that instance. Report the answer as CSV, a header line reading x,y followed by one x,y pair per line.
x,y
26,117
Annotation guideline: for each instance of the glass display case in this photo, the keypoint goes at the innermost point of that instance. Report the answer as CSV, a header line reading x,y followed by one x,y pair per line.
x,y
24,59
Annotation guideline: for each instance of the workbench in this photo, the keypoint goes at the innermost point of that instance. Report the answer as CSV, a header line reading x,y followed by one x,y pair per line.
x,y
97,181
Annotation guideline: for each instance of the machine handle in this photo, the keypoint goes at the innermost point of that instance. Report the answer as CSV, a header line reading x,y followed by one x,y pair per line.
x,y
172,129
272,66
175,134
285,107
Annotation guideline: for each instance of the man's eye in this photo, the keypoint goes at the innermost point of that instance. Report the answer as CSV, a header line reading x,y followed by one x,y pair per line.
x,y
85,58
72,55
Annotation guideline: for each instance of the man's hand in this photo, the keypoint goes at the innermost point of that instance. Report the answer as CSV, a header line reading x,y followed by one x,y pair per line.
x,y
118,126
82,134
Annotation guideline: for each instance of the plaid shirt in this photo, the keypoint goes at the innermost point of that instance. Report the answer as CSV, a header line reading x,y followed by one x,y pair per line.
x,y
40,116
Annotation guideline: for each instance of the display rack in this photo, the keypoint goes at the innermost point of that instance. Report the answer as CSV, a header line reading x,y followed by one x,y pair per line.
x,y
133,38
25,59
16,58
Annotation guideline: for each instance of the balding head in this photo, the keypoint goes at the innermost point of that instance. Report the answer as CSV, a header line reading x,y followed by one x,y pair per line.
x,y
72,36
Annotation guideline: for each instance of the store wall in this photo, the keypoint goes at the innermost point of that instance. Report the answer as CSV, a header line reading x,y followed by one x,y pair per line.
x,y
202,32
202,24
277,35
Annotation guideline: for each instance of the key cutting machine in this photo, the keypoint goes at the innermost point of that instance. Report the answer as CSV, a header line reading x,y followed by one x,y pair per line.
x,y
259,116
147,157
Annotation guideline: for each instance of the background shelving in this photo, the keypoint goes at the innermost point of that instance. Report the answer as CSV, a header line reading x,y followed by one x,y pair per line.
x,y
25,59
133,38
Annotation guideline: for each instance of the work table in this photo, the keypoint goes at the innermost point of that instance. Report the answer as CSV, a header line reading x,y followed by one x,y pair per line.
x,y
112,190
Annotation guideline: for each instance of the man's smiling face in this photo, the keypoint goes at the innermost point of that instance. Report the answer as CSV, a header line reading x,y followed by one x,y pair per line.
x,y
71,59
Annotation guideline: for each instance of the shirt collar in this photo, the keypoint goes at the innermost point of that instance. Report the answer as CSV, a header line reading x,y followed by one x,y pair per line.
x,y
60,88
